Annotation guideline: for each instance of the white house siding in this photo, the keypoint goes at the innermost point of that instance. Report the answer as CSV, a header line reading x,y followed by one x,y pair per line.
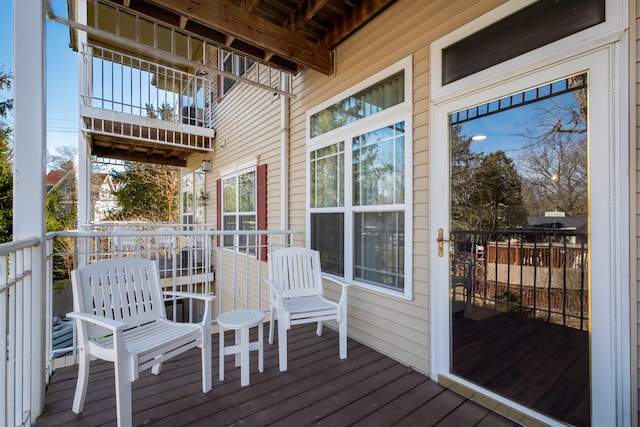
x,y
248,120
393,326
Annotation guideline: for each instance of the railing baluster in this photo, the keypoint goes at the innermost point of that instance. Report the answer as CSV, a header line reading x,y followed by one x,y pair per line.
x,y
561,256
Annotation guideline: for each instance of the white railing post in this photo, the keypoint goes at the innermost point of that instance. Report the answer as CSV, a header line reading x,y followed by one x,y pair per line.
x,y
29,183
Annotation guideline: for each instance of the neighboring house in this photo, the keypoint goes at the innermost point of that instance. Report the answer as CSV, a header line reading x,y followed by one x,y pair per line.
x,y
67,185
345,136
103,186
103,198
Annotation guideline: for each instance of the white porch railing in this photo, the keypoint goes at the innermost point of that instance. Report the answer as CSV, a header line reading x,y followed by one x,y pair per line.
x,y
193,258
15,326
124,96
230,265
127,84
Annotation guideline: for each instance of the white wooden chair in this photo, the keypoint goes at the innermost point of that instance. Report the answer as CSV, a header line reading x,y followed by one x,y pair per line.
x,y
120,317
297,294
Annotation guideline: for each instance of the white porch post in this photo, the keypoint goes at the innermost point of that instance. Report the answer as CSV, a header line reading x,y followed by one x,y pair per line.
x,y
29,174
84,154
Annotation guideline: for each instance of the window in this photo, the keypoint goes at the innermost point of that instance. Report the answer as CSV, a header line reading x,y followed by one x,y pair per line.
x,y
241,203
234,64
193,198
359,209
374,99
239,209
536,25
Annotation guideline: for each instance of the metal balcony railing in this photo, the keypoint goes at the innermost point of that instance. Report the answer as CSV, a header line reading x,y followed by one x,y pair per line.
x,y
122,83
15,327
540,274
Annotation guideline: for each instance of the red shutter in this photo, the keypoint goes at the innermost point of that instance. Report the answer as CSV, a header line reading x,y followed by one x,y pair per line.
x,y
218,208
261,190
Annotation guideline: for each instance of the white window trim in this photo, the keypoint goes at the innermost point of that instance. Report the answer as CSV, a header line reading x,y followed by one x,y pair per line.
x,y
611,391
610,31
401,112
236,168
235,172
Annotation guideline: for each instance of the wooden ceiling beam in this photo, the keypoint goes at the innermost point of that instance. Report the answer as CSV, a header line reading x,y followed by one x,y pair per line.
x,y
361,14
304,13
249,5
237,22
126,155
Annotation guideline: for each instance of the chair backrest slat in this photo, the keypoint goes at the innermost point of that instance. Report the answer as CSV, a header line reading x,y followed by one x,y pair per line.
x,y
124,289
297,271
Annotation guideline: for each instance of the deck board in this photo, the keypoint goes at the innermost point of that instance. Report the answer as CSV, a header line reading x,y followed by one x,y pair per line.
x,y
367,389
540,365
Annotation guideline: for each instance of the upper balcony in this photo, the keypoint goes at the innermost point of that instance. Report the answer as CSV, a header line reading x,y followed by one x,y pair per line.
x,y
138,110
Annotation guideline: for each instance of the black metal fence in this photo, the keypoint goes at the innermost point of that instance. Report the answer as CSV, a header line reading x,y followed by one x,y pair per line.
x,y
539,274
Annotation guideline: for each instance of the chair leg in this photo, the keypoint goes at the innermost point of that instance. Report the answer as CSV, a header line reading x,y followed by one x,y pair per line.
x,y
319,329
82,382
206,362
342,337
272,322
155,369
124,412
282,347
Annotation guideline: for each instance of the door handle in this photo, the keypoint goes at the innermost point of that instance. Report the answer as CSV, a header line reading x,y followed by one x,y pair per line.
x,y
441,241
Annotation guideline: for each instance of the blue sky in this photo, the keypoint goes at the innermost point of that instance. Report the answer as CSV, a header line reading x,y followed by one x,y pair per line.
x,y
62,75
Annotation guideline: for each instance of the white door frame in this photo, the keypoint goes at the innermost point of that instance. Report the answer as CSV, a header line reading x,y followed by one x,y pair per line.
x,y
608,230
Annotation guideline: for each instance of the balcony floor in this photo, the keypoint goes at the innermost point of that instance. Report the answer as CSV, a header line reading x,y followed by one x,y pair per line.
x,y
367,389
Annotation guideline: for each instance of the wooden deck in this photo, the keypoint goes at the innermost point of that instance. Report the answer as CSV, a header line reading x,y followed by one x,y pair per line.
x,y
540,365
366,389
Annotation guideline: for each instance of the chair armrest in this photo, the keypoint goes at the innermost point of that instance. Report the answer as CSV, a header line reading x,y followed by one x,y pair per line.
x,y
114,325
274,286
339,282
206,318
203,297
343,294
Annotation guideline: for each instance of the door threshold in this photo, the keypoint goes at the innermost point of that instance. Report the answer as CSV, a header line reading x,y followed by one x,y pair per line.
x,y
499,404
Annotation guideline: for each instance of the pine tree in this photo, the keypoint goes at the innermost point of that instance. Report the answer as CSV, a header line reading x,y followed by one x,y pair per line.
x,y
147,193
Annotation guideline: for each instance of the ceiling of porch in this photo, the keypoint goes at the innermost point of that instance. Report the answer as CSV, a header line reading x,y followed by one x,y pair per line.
x,y
287,34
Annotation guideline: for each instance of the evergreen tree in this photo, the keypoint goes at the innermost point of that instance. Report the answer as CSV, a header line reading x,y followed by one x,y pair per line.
x,y
147,193
463,164
496,194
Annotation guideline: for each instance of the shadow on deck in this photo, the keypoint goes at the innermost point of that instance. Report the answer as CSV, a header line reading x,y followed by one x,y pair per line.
x,y
367,389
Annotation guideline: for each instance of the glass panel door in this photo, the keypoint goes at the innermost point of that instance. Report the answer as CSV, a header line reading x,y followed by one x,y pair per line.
x,y
519,271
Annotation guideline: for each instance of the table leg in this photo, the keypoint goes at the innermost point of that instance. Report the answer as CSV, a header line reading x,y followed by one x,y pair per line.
x,y
244,350
221,357
260,349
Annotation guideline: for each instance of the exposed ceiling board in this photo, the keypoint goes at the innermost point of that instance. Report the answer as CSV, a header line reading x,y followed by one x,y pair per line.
x,y
289,34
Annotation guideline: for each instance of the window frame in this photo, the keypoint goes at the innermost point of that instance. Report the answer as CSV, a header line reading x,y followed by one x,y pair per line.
x,y
196,210
600,48
610,31
225,177
402,112
236,61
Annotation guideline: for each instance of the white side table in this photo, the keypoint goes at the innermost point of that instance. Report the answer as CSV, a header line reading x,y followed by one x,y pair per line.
x,y
241,321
